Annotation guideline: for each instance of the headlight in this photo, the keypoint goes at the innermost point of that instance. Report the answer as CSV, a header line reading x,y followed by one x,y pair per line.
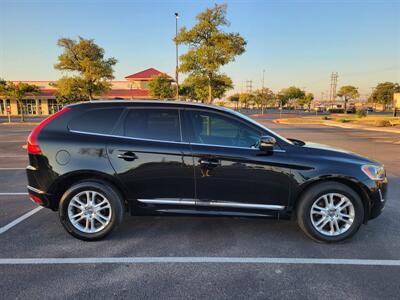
x,y
374,172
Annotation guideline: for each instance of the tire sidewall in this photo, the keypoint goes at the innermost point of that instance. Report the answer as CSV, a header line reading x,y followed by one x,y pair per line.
x,y
107,191
313,194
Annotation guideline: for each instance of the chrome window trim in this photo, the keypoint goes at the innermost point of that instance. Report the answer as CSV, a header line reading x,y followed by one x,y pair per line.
x,y
127,137
196,202
34,189
165,141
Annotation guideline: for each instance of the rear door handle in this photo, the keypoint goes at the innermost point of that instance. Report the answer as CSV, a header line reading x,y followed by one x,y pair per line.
x,y
128,156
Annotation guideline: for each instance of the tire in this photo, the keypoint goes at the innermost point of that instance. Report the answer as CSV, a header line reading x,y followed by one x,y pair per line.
x,y
345,221
91,221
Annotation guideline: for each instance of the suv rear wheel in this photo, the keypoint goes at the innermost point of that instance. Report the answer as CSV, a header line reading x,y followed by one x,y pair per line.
x,y
330,212
90,210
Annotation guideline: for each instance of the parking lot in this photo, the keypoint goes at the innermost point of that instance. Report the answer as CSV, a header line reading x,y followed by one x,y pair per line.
x,y
192,257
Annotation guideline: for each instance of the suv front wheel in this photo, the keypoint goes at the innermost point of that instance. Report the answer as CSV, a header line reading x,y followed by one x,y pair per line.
x,y
330,212
90,210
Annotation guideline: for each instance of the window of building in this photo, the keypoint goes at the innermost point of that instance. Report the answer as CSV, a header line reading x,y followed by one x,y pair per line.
x,y
29,107
216,129
154,124
96,120
53,106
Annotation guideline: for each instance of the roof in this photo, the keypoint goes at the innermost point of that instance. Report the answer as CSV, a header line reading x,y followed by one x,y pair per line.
x,y
160,102
146,74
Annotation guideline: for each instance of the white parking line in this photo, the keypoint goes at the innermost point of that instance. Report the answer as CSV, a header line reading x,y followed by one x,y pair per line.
x,y
20,219
191,260
12,194
7,169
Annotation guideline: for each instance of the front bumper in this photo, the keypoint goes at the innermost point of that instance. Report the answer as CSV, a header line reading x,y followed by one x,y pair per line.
x,y
377,191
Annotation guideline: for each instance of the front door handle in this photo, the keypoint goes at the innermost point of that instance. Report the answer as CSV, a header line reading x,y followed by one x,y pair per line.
x,y
208,162
128,156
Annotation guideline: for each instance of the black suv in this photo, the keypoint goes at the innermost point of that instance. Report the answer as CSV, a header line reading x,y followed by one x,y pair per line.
x,y
94,161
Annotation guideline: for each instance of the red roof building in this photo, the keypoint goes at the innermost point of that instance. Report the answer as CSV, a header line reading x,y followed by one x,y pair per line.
x,y
136,86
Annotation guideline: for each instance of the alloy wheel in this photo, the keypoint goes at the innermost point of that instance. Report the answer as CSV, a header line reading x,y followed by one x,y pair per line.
x,y
332,214
89,211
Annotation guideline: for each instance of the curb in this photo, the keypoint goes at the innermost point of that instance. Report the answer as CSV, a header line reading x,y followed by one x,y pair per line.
x,y
334,124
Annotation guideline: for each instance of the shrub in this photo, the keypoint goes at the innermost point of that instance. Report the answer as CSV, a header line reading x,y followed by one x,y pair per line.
x,y
325,118
382,123
361,113
336,110
343,120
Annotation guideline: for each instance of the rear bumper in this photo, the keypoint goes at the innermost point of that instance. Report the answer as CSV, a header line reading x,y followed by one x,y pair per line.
x,y
38,196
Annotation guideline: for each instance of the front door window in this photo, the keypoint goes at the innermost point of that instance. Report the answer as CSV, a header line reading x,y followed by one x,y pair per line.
x,y
217,129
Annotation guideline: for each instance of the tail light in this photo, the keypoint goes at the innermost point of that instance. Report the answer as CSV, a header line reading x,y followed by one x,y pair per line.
x,y
33,146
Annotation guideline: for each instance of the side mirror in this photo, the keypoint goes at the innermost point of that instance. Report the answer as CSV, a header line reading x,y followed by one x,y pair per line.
x,y
266,143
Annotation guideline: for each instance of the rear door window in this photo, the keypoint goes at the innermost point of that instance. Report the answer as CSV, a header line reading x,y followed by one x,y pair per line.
x,y
96,120
153,124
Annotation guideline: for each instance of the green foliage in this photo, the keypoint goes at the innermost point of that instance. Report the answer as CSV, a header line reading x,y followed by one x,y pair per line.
x,y
234,98
348,92
85,58
383,93
196,87
247,99
361,113
18,91
70,90
209,48
306,100
343,120
289,94
161,88
264,97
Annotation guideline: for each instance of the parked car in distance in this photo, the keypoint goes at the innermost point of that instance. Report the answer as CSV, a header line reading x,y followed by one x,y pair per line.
x,y
94,161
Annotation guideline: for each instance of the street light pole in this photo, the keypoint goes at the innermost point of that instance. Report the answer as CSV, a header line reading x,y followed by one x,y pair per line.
x,y
177,57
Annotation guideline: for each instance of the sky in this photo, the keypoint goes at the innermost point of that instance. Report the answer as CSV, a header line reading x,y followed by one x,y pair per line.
x,y
296,42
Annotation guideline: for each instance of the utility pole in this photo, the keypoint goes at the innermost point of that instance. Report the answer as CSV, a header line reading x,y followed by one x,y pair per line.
x,y
177,57
332,93
249,86
262,93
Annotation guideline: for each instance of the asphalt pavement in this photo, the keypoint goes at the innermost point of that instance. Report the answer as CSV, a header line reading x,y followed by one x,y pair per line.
x,y
192,257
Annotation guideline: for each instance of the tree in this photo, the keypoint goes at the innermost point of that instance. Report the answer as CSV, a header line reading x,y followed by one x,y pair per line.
x,y
198,86
348,92
235,98
19,91
94,71
209,47
161,88
289,94
306,100
264,97
247,99
383,93
70,90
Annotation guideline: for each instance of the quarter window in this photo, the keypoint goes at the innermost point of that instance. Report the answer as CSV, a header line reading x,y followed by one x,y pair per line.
x,y
96,120
154,124
216,129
